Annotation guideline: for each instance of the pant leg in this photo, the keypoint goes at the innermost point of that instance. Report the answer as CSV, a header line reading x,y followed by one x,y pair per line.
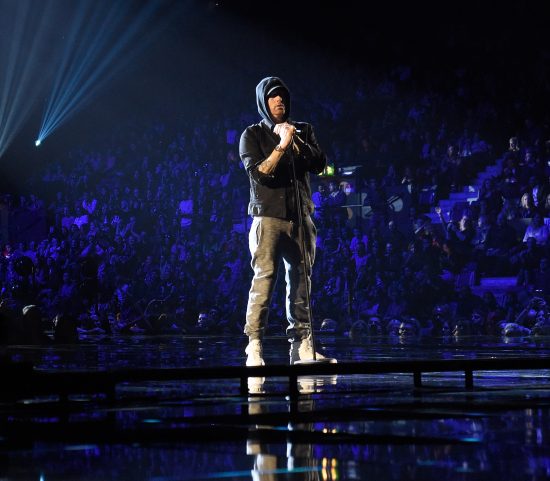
x,y
263,240
297,308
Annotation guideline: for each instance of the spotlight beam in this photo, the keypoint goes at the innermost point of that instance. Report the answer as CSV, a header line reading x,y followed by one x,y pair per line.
x,y
106,41
69,73
22,43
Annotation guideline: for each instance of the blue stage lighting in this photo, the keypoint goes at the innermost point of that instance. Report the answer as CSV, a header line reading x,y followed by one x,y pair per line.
x,y
24,34
102,39
37,142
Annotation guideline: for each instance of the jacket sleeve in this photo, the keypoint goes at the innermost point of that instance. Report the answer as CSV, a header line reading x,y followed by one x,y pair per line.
x,y
311,156
252,156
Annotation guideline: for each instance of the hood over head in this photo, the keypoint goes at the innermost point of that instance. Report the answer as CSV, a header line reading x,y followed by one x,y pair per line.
x,y
265,88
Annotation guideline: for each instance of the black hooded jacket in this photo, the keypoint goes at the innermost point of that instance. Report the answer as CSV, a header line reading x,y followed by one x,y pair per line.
x,y
273,195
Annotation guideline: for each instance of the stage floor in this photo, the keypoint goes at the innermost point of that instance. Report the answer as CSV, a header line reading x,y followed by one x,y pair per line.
x,y
345,427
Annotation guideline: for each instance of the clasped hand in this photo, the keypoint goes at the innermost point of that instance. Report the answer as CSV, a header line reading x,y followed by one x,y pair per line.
x,y
286,132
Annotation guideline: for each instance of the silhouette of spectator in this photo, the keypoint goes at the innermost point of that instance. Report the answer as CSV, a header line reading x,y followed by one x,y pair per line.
x,y
336,200
527,260
527,208
64,329
31,330
537,229
322,202
541,282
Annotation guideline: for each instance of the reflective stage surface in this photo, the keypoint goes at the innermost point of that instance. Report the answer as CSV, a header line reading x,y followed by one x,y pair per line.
x,y
364,427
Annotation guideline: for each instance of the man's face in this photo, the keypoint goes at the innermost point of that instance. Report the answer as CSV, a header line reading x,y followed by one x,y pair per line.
x,y
202,321
276,104
406,329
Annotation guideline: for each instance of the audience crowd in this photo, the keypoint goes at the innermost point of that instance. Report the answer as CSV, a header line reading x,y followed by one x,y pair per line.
x,y
147,231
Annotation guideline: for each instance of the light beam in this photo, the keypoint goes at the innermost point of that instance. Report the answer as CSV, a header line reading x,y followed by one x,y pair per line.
x,y
23,26
103,38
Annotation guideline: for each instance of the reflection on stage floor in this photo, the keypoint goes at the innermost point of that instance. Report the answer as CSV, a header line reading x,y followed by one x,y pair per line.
x,y
341,426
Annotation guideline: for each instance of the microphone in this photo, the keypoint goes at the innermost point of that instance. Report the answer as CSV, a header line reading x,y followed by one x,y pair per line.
x,y
296,129
297,133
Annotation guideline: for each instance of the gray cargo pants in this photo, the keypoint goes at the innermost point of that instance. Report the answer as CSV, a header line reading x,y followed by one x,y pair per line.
x,y
270,240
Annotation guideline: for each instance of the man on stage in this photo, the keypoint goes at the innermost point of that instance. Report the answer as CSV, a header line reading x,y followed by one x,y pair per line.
x,y
268,150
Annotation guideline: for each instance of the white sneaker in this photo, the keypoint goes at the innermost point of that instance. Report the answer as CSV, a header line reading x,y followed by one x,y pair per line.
x,y
303,351
254,353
